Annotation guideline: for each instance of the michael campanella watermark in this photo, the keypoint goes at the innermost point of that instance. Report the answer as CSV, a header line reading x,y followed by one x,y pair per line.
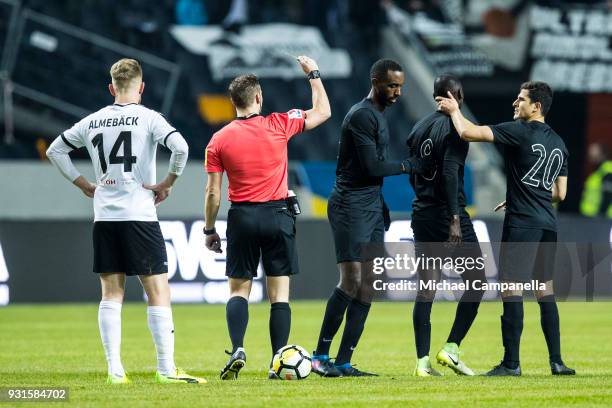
x,y
443,285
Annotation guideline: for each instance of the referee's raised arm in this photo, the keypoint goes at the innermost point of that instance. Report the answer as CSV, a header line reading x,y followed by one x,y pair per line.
x,y
321,110
252,151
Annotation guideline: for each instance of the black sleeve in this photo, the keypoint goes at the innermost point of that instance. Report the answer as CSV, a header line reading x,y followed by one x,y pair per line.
x,y
455,149
374,167
451,186
364,126
508,133
455,152
564,170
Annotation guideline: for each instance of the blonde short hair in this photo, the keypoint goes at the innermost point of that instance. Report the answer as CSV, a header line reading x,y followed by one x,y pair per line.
x,y
123,72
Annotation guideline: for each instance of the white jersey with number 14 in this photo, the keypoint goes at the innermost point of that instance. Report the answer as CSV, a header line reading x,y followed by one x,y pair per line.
x,y
122,143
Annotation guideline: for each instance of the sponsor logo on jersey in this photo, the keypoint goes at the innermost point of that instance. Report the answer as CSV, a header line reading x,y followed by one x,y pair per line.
x,y
110,182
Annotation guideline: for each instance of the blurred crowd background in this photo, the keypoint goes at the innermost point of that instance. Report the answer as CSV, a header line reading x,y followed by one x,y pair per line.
x,y
56,56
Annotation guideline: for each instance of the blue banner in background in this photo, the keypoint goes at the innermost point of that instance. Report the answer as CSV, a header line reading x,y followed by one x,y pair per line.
x,y
398,193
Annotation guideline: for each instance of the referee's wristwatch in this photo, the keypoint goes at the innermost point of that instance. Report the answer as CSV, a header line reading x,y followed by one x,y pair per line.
x,y
209,231
314,74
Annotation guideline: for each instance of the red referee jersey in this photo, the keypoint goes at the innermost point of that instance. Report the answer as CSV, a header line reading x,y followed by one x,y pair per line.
x,y
253,151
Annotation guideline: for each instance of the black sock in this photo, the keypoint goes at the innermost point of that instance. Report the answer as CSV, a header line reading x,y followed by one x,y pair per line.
x,y
549,318
280,325
334,313
464,317
356,316
422,327
512,328
237,315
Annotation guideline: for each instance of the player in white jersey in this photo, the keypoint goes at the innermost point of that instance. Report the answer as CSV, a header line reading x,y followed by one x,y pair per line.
x,y
122,142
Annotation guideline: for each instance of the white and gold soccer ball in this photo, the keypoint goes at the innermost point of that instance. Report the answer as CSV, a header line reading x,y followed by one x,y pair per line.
x,y
292,363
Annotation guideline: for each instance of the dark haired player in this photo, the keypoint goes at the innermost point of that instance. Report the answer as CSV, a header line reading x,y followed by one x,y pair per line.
x,y
536,167
439,215
358,215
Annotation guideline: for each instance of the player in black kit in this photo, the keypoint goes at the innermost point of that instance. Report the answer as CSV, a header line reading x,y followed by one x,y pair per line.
x,y
536,169
358,215
439,215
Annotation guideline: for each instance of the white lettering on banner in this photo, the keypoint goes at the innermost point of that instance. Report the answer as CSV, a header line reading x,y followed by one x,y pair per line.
x,y
267,50
4,276
571,48
574,76
400,231
4,295
212,263
188,254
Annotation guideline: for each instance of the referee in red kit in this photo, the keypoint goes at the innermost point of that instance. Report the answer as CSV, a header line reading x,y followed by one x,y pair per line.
x,y
253,151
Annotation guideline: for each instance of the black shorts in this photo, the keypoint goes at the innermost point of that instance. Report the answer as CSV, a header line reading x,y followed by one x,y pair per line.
x,y
526,254
436,230
130,247
430,236
260,228
353,227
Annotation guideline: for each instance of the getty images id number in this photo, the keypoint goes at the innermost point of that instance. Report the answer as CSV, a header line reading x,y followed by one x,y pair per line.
x,y
33,394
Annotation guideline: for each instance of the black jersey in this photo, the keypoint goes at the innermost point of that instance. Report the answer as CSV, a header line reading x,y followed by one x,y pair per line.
x,y
435,137
363,125
534,157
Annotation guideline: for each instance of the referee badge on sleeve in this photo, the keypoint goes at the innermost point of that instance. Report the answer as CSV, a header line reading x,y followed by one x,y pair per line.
x,y
295,114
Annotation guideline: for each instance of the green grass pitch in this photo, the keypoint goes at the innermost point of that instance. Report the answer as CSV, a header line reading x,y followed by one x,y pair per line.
x,y
59,346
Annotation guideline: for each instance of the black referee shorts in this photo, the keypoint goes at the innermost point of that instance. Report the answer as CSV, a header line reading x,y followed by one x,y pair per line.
x,y
526,254
352,227
260,228
130,247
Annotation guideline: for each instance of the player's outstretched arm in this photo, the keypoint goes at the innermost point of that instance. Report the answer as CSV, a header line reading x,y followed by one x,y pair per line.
x,y
321,110
178,160
466,129
373,167
57,153
559,189
212,202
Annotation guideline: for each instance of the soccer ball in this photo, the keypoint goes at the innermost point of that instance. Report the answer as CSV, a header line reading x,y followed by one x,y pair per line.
x,y
292,363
